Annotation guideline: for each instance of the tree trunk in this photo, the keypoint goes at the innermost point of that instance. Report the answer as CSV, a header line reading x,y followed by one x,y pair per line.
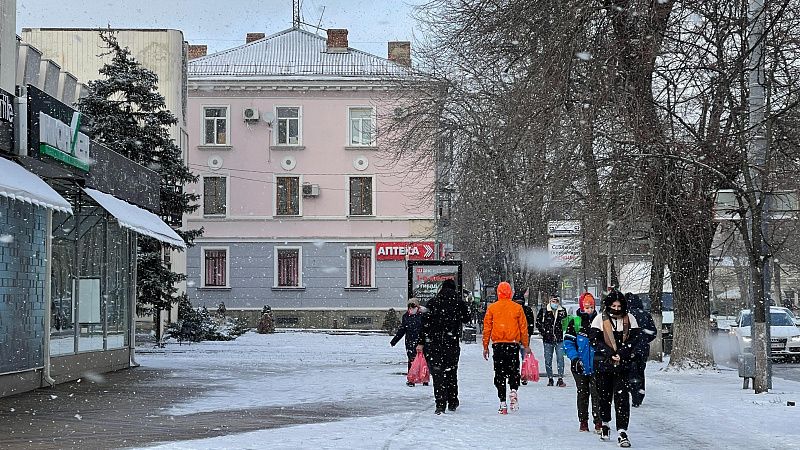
x,y
691,336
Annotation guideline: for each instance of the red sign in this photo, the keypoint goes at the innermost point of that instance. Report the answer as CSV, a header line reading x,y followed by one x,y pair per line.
x,y
399,251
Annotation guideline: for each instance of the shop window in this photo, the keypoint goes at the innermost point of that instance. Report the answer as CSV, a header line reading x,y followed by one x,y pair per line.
x,y
362,127
287,192
215,125
285,322
215,196
361,196
215,267
288,125
360,320
360,269
288,267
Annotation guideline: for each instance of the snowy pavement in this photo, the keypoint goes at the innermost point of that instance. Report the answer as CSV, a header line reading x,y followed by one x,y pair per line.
x,y
682,410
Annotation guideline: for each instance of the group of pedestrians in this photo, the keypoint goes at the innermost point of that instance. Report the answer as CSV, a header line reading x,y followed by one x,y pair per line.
x,y
607,350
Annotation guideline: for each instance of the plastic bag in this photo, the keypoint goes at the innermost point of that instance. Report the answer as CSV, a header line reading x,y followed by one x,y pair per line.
x,y
530,369
419,373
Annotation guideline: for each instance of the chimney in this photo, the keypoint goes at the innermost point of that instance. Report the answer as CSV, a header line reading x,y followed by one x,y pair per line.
x,y
400,52
196,51
254,37
337,40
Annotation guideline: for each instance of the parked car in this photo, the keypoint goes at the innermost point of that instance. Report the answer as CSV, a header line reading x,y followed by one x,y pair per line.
x,y
784,333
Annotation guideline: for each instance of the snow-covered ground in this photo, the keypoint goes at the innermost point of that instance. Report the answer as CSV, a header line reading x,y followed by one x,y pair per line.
x,y
681,410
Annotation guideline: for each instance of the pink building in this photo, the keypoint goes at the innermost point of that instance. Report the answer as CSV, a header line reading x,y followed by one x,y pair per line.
x,y
302,206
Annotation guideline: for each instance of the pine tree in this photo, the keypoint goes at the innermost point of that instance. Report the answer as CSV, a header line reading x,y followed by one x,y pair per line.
x,y
130,117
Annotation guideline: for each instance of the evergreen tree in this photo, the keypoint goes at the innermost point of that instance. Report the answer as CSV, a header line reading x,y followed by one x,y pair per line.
x,y
131,118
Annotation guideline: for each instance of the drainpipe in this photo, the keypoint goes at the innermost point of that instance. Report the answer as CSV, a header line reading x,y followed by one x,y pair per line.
x,y
132,305
48,293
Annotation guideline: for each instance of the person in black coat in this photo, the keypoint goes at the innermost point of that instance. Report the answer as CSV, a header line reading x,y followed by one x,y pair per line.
x,y
439,340
641,353
549,322
410,327
615,335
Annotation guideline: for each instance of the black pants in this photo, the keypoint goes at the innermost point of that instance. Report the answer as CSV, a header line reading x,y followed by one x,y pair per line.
x,y
587,389
506,367
443,365
637,379
612,385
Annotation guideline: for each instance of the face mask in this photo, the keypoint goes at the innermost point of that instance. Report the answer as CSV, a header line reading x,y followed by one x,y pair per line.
x,y
616,312
554,306
413,310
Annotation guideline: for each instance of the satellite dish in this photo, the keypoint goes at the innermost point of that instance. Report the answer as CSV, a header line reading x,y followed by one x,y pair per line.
x,y
361,163
215,162
288,163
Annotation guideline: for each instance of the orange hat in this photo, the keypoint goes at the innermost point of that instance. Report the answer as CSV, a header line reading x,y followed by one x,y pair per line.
x,y
586,298
504,291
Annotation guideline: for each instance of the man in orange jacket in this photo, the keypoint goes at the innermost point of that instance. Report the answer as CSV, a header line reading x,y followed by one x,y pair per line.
x,y
506,326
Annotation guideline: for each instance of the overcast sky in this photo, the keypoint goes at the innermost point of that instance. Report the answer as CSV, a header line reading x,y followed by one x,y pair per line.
x,y
222,24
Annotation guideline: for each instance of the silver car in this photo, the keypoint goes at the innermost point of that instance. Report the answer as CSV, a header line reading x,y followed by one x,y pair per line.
x,y
784,333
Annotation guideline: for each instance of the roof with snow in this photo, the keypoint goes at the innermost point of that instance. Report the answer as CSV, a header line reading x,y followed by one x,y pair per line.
x,y
293,53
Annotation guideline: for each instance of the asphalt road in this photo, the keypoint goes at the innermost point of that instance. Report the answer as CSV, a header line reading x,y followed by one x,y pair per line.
x,y
724,357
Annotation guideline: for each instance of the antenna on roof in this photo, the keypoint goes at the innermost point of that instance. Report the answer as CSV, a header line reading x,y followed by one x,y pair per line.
x,y
319,23
296,21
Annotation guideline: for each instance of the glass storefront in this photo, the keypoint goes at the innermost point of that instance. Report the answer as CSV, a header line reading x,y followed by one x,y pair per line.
x,y
90,306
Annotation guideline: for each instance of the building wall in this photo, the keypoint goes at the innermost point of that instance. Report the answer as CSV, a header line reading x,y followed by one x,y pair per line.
x,y
22,278
8,44
251,267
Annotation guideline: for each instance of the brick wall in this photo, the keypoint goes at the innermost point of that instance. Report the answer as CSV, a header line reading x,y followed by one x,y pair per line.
x,y
22,277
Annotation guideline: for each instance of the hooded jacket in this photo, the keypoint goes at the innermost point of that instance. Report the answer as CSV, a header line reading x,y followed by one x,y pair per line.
x,y
442,322
410,327
646,323
505,320
577,344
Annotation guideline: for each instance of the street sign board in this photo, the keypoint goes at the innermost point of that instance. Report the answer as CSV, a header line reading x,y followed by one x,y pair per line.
x,y
564,252
398,251
564,227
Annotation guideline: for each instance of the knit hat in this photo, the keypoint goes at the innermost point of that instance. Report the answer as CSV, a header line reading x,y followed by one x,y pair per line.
x,y
586,297
413,301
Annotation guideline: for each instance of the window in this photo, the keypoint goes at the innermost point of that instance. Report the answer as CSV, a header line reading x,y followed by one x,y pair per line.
x,y
215,267
362,126
215,196
287,267
360,196
288,126
360,268
215,123
360,320
287,321
287,193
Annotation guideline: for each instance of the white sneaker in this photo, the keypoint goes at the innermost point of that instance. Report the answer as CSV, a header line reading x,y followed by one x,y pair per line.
x,y
514,400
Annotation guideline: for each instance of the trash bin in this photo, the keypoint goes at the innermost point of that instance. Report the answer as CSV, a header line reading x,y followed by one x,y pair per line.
x,y
469,334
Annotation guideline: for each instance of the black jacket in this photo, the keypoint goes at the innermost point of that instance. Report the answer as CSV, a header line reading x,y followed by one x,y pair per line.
x,y
603,353
410,327
531,318
646,324
548,322
441,324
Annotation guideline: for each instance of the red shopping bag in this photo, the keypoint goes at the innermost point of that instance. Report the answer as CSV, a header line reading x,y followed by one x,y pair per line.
x,y
530,369
419,373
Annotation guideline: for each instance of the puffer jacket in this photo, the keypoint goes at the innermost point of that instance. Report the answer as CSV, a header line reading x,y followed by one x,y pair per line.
x,y
505,320
577,344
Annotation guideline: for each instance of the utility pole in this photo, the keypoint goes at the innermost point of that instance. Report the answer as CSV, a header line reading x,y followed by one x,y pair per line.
x,y
296,21
757,164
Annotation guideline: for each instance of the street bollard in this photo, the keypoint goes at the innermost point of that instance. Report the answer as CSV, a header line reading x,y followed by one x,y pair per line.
x,y
747,368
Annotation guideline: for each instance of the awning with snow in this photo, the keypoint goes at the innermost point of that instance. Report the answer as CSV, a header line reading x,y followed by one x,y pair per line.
x,y
19,184
137,219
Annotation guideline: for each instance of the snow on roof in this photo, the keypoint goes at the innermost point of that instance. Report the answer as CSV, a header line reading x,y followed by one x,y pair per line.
x,y
20,184
292,52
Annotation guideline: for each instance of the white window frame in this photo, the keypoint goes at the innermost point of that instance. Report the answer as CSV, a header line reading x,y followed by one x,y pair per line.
x,y
372,269
374,117
203,142
347,194
276,134
227,267
275,195
227,194
299,266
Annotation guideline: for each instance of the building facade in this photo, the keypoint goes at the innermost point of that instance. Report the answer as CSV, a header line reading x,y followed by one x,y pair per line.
x,y
304,206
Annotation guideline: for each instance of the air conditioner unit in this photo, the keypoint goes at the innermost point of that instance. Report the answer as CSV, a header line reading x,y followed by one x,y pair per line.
x,y
310,190
250,114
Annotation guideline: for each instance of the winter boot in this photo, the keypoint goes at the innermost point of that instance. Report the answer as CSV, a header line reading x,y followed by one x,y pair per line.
x,y
549,381
514,400
524,382
605,433
425,384
503,409
622,440
584,426
598,427
452,405
439,410
409,384
561,383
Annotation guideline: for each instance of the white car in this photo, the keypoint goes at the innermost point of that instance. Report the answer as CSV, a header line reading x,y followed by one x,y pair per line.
x,y
784,333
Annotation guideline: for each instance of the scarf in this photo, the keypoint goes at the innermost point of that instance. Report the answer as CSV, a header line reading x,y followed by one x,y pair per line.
x,y
608,331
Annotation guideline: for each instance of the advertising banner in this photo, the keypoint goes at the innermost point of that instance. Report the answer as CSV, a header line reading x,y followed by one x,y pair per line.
x,y
398,251
564,252
425,278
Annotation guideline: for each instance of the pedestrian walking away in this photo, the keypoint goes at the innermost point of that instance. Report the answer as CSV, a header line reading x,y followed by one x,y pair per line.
x,y
439,340
642,352
410,327
549,323
614,334
580,352
506,328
